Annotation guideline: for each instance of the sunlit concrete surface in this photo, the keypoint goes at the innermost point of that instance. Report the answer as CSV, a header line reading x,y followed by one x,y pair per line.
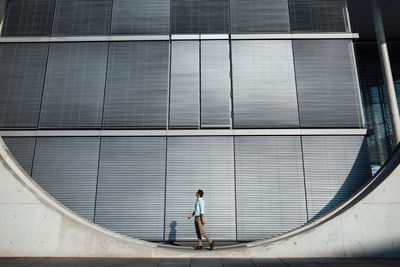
x,y
33,224
195,262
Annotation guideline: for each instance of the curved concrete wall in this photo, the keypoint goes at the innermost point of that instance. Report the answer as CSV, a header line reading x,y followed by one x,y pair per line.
x,y
35,224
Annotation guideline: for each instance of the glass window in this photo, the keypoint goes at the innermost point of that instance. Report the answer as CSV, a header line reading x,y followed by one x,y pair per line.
x,y
259,16
137,85
22,149
74,86
28,17
264,89
22,71
184,95
140,17
82,17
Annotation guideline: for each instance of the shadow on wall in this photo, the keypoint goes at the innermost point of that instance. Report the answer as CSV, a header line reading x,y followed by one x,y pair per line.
x,y
172,233
357,178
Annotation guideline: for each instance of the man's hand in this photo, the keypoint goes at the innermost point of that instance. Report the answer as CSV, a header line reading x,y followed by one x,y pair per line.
x,y
203,222
189,217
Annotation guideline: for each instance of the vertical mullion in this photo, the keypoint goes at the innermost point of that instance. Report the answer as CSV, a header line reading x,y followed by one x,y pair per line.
x,y
199,91
97,181
165,185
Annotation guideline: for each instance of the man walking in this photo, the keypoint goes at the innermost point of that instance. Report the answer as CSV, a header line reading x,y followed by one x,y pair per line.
x,y
199,222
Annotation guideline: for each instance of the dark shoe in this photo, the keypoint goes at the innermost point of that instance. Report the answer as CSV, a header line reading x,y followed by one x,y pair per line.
x,y
198,247
212,245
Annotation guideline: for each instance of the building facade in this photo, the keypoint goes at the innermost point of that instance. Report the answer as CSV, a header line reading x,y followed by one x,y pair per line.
x,y
122,109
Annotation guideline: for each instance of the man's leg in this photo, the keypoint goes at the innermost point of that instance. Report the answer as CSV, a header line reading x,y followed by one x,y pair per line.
x,y
202,232
197,224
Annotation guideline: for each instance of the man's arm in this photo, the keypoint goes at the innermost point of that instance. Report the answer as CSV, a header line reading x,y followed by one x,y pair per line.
x,y
202,212
190,216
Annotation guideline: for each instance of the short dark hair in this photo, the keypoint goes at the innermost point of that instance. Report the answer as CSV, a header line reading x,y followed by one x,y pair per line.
x,y
200,192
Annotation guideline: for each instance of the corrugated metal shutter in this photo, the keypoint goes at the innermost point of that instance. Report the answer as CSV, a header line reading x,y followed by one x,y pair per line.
x,y
22,71
77,17
215,84
66,167
74,86
200,163
259,16
131,187
140,17
269,186
264,90
335,168
199,16
137,85
327,84
184,95
22,149
29,18
318,15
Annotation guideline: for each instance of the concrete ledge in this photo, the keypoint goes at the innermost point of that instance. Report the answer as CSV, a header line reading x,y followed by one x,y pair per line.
x,y
35,224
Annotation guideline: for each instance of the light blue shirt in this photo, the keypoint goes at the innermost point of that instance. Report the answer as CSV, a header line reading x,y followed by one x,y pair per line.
x,y
198,207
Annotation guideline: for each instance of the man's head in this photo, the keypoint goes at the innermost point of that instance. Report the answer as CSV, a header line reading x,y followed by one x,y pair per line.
x,y
199,193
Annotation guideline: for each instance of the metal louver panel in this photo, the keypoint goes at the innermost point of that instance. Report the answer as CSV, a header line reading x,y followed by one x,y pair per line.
x,y
215,84
131,187
137,85
82,17
269,186
22,149
66,167
264,89
184,94
259,16
199,16
22,71
318,15
200,163
335,168
327,87
140,17
74,86
29,17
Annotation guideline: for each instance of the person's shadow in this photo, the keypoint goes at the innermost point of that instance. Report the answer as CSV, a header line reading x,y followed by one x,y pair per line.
x,y
172,234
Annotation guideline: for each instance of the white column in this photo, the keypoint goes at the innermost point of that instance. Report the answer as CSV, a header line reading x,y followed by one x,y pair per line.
x,y
387,71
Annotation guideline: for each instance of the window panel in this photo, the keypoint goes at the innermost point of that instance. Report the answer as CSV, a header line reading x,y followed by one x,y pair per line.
x,y
82,17
327,84
66,167
74,86
140,17
22,71
259,16
184,95
22,149
215,84
264,90
130,198
200,163
318,15
137,85
270,190
200,16
28,17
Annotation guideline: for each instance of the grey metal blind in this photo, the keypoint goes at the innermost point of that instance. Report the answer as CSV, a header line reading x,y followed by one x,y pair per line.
x,y
74,86
22,71
199,16
259,16
140,17
215,84
137,85
66,167
269,186
82,17
335,168
200,163
28,17
318,15
22,149
264,90
184,94
130,198
327,84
